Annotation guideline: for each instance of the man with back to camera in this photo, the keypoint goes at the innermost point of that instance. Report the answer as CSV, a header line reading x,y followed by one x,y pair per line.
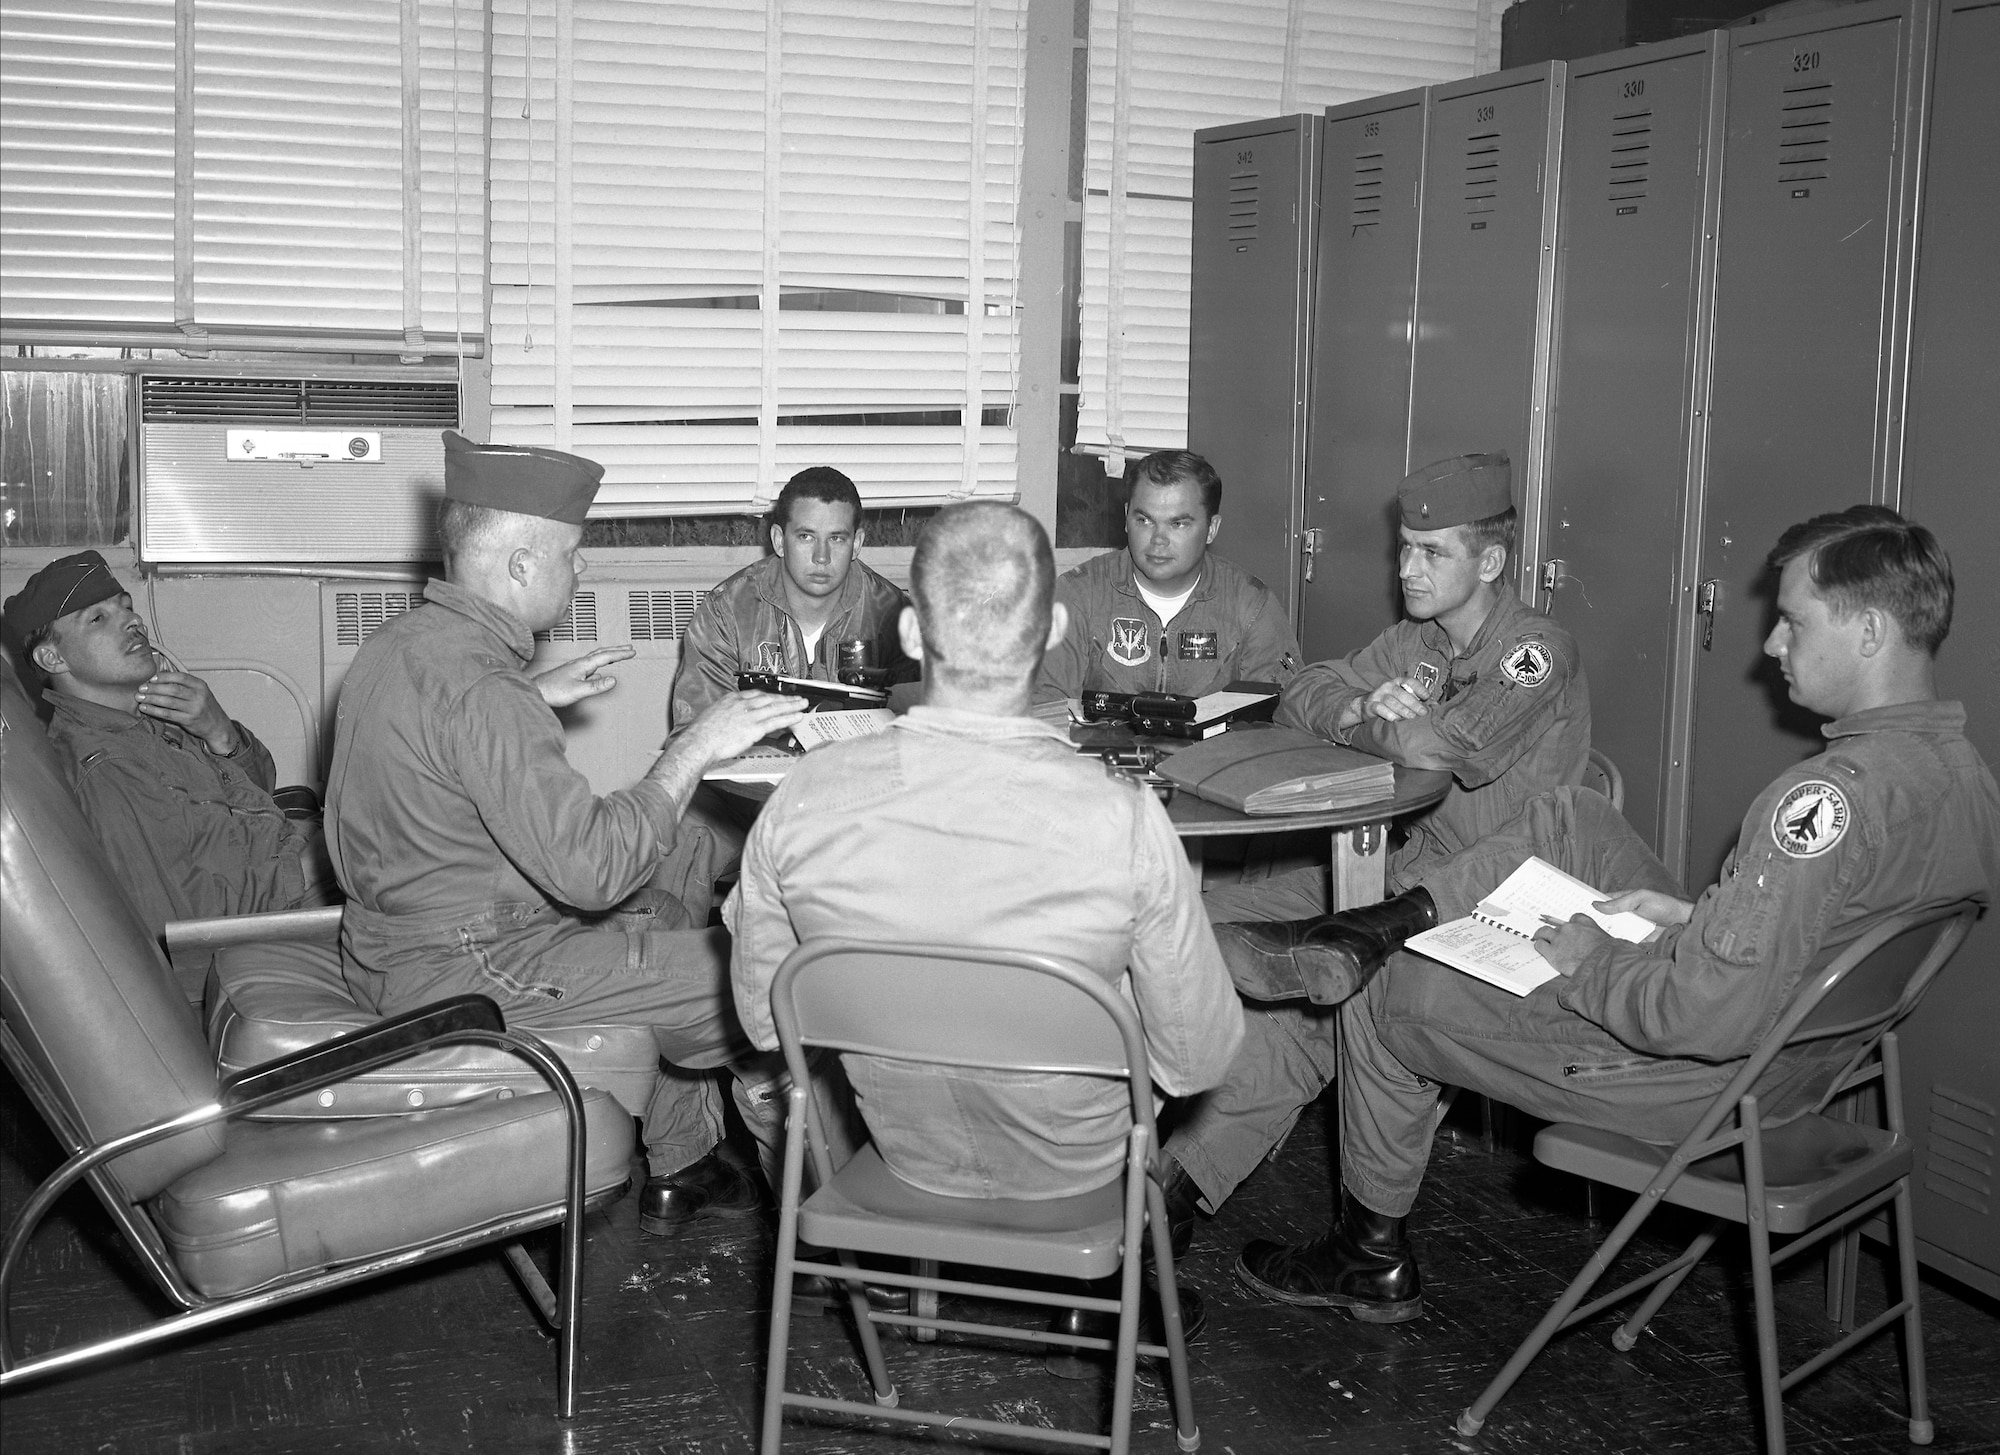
x,y
1166,614
177,792
1471,681
789,613
475,858
1897,814
1047,852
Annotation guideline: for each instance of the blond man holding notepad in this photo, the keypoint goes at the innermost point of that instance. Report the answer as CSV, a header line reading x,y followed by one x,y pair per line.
x,y
1897,814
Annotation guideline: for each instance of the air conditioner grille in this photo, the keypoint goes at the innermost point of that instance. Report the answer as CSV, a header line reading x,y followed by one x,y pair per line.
x,y
662,616
357,614
343,402
579,623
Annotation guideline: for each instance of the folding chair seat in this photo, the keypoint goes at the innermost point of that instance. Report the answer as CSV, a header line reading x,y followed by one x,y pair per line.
x,y
1812,1177
991,1010
231,1216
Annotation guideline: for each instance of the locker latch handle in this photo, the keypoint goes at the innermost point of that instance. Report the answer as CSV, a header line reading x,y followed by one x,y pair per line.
x,y
1309,547
1552,572
1705,604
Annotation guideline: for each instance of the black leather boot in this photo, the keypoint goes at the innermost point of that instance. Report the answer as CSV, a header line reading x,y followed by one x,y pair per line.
x,y
1364,1264
1326,959
712,1187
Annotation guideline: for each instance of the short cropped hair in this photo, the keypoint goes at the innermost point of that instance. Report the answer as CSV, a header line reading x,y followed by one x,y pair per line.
x,y
1171,467
1868,555
465,529
1493,530
821,482
983,578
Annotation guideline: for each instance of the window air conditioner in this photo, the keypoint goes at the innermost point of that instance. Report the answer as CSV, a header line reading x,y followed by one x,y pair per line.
x,y
293,470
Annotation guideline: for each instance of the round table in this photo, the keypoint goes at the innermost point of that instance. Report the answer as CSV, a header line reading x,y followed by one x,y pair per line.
x,y
1360,833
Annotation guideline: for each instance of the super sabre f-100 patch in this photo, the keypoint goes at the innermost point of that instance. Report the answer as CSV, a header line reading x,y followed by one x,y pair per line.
x,y
1131,643
1810,819
1527,664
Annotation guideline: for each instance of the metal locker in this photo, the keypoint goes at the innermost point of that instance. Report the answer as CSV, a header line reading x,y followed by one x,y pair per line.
x,y
1250,333
1811,262
1371,176
1486,277
1642,141
1951,1059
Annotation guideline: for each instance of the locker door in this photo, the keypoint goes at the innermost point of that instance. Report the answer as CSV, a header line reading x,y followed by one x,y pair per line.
x,y
1951,1063
1805,269
1249,333
1486,275
1640,146
1365,293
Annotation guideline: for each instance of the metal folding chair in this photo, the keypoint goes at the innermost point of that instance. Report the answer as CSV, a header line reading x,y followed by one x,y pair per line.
x,y
992,1010
1809,1178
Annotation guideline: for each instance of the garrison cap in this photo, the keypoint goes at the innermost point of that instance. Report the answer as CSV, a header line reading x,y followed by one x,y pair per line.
x,y
1457,491
520,478
56,590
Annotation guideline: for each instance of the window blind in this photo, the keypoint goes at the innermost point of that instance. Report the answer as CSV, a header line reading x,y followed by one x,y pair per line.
x,y
1160,69
312,170
794,244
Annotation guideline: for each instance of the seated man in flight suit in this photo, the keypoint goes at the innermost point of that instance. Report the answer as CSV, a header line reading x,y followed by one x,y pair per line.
x,y
1166,614
1471,681
1897,814
790,612
1042,851
476,858
178,793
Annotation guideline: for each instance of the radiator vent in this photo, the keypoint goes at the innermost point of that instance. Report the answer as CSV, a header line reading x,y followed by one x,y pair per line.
x,y
1482,171
1242,210
344,403
1958,1164
578,624
662,616
1805,132
1367,208
356,614
1631,156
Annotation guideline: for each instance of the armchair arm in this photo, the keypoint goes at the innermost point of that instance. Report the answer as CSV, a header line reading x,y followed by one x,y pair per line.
x,y
316,926
359,1051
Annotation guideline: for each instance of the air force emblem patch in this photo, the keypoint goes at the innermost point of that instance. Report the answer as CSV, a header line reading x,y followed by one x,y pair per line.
x,y
771,657
1527,664
1810,819
1130,641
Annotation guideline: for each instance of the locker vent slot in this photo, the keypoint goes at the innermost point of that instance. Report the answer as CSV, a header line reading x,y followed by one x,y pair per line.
x,y
1367,208
348,403
662,616
1958,1164
356,614
1805,132
1242,209
579,623
1631,156
1482,172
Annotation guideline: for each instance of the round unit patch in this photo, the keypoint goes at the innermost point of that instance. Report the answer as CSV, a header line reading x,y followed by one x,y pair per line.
x,y
1810,819
1527,664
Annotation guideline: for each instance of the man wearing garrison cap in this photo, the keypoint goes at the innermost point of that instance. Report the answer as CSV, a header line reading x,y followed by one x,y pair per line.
x,y
475,858
1471,681
178,794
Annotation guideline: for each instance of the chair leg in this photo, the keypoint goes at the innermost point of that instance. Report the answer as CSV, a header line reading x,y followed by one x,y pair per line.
x,y
1627,1333
1921,1429
1769,1373
924,1301
864,1328
1187,1434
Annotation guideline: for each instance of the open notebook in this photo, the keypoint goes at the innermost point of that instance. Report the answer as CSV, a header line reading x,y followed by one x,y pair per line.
x,y
1496,941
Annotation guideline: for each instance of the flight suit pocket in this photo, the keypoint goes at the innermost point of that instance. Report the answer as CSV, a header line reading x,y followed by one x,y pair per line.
x,y
1741,920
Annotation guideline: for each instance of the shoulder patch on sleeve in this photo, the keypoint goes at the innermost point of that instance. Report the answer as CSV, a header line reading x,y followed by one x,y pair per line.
x,y
1810,819
1528,663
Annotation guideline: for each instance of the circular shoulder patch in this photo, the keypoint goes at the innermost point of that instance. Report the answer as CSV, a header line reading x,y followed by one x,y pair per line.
x,y
1810,819
1527,663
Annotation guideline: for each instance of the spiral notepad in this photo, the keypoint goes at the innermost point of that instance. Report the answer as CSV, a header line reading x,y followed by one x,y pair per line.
x,y
1495,943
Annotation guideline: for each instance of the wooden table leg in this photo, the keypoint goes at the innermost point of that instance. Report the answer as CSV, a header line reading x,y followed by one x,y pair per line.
x,y
1360,865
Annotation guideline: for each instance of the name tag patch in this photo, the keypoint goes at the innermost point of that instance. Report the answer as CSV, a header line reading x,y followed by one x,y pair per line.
x,y
1810,819
1130,641
1197,646
1527,664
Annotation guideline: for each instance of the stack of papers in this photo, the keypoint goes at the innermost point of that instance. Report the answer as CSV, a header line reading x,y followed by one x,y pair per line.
x,y
1495,943
1279,770
767,764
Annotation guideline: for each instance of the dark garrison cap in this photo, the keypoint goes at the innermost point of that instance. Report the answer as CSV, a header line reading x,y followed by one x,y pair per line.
x,y
1457,491
520,478
56,590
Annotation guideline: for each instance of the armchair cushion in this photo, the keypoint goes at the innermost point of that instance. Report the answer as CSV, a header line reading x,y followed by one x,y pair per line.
x,y
287,1197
